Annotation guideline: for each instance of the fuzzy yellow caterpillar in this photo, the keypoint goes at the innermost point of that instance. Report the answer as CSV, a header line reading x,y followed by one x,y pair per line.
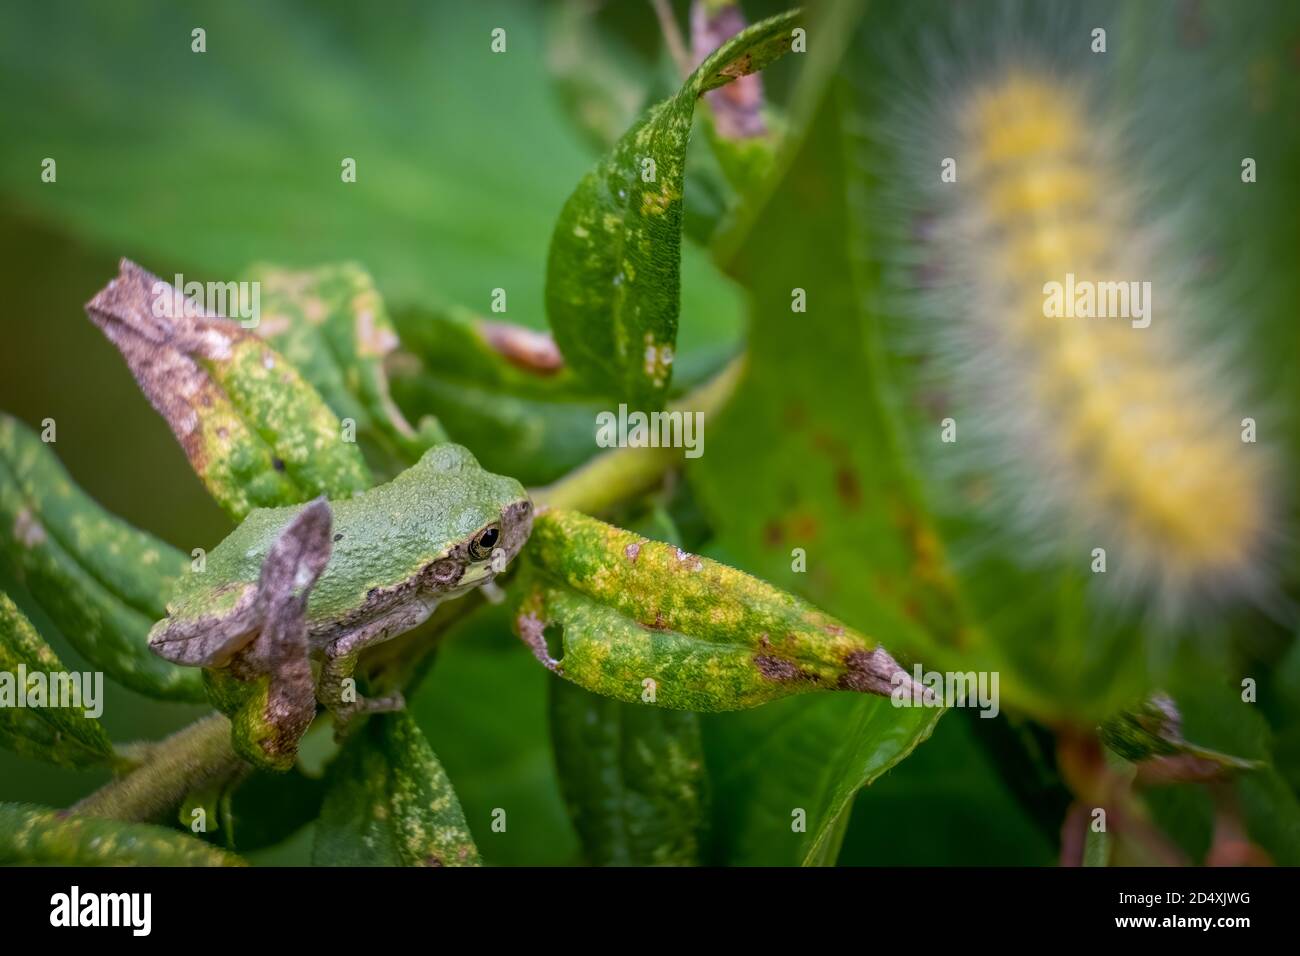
x,y
1074,326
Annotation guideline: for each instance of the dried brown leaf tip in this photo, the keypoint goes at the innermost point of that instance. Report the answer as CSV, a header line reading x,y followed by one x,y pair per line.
x,y
738,106
254,430
265,685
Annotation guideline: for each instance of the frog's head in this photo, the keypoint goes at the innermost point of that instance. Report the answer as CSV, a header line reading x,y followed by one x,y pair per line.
x,y
488,517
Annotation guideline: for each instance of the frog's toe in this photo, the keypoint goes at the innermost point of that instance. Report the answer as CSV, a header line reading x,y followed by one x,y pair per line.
x,y
345,715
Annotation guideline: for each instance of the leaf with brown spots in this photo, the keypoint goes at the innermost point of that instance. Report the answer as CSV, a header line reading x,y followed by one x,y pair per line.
x,y
644,621
614,273
256,432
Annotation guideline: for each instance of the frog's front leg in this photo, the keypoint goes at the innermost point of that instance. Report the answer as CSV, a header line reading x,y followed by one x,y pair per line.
x,y
336,684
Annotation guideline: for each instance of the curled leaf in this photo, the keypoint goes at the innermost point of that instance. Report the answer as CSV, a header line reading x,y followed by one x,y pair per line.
x,y
332,325
38,836
390,803
63,735
614,272
1151,735
255,431
101,581
640,620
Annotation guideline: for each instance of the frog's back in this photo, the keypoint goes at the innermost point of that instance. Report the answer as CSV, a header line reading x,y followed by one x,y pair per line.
x,y
379,536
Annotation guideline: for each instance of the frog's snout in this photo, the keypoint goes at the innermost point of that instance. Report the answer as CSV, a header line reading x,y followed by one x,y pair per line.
x,y
517,525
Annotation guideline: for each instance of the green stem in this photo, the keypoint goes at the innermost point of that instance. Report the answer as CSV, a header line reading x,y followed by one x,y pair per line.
x,y
193,756
623,473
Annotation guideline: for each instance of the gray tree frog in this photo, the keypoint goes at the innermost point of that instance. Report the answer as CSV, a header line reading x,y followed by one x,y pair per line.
x,y
325,580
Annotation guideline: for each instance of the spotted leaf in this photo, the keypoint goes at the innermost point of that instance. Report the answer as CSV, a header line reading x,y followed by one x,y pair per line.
x,y
613,279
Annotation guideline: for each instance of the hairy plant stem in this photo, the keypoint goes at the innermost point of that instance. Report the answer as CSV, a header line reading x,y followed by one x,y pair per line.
x,y
201,753
191,757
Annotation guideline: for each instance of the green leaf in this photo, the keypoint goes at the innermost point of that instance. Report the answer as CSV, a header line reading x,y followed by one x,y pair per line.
x,y
268,808
60,735
390,803
633,776
641,617
36,836
102,582
254,430
613,274
332,325
599,82
785,775
935,807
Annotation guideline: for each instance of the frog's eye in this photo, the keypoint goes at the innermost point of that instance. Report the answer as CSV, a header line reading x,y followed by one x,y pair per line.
x,y
480,549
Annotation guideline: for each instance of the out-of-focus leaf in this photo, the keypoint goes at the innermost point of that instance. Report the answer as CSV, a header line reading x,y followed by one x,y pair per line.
x,y
457,345
613,274
639,617
500,388
332,325
935,807
633,776
447,206
59,734
254,430
390,803
1216,715
784,774
601,86
37,836
1153,730
102,582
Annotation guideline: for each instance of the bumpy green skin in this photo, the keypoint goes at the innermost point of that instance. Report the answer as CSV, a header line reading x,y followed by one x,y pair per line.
x,y
36,836
710,637
332,325
613,274
382,537
102,582
390,803
633,777
59,735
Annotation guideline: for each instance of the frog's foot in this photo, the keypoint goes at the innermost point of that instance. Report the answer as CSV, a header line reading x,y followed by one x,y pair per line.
x,y
345,715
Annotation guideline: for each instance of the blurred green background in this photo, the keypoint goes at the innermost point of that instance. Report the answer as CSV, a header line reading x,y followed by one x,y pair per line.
x,y
203,164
